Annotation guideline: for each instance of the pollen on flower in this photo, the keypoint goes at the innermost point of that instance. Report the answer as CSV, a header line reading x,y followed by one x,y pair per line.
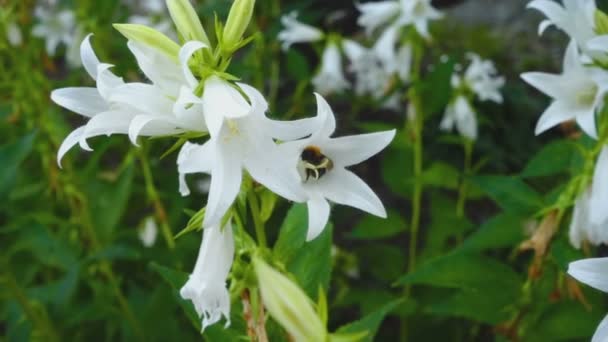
x,y
313,163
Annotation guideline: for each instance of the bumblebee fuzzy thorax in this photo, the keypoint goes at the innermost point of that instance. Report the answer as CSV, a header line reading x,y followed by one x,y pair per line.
x,y
313,164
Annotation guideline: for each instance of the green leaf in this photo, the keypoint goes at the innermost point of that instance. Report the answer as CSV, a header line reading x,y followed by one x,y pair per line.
x,y
297,65
374,259
492,305
502,231
108,200
566,321
150,37
511,193
370,323
311,264
177,279
465,271
373,227
556,157
441,175
436,88
11,156
446,226
292,234
396,167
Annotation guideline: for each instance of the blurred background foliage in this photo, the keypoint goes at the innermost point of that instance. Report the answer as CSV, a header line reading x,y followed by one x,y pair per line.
x,y
73,268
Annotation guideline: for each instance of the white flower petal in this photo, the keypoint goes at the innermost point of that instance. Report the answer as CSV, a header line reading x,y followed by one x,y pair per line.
x,y
194,158
601,333
327,121
354,149
555,114
344,187
318,215
158,67
106,123
145,124
599,190
226,176
72,139
598,44
144,97
107,82
84,101
549,84
89,60
586,120
206,286
593,272
376,14
221,100
185,53
297,32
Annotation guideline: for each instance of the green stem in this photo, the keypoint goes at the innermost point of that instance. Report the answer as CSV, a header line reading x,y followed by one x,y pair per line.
x,y
39,320
462,190
260,232
159,209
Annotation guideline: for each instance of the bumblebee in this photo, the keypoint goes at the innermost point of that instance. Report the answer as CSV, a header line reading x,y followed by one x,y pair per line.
x,y
313,164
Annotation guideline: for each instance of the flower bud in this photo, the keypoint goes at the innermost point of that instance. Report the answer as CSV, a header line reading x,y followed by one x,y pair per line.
x,y
289,305
186,21
238,21
149,37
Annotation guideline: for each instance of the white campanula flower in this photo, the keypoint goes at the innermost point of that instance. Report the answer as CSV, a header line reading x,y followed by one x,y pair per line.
x,y
577,93
481,77
598,202
13,34
295,31
575,17
242,143
206,286
403,13
116,107
330,78
581,226
593,272
55,27
147,232
461,114
318,165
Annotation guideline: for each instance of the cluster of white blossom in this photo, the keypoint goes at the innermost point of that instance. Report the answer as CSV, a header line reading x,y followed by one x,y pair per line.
x,y
480,80
578,94
190,94
374,68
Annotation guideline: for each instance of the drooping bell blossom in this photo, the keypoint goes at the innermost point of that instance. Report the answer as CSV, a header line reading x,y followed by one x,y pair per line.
x,y
593,272
582,228
13,34
206,286
598,202
482,78
330,78
55,27
242,143
295,31
148,232
577,93
460,113
402,13
318,165
575,17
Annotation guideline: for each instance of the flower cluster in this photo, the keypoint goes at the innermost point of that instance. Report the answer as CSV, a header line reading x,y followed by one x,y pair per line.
x,y
56,26
373,69
578,94
190,94
480,80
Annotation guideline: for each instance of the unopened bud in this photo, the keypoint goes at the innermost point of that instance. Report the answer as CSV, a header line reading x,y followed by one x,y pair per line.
x,y
238,21
186,21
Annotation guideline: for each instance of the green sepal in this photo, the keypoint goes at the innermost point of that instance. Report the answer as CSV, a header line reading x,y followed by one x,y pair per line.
x,y
151,37
194,224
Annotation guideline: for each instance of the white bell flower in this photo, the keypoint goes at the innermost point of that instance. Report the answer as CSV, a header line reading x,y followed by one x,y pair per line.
x,y
582,228
55,27
598,202
148,232
461,114
593,272
417,13
577,93
318,165
245,142
376,14
206,286
575,17
330,78
481,76
370,76
297,32
13,34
